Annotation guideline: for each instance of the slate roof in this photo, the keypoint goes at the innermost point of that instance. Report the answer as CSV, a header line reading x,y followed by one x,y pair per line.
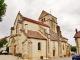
x,y
31,20
3,38
77,35
34,34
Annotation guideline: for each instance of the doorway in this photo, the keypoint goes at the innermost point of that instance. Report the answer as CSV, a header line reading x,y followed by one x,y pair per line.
x,y
14,49
53,52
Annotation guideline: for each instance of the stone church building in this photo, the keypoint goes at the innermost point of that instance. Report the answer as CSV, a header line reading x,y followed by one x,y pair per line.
x,y
34,38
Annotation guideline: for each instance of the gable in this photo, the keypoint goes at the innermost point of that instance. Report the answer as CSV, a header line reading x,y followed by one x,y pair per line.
x,y
43,14
19,19
18,23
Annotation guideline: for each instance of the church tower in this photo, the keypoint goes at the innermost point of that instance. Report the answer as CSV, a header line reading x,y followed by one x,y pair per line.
x,y
49,20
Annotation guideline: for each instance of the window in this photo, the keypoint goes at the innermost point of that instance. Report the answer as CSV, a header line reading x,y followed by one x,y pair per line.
x,y
39,46
44,19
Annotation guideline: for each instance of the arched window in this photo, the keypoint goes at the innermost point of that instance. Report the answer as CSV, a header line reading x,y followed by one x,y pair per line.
x,y
44,19
39,46
63,46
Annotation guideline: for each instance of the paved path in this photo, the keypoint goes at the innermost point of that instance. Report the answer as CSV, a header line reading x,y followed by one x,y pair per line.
x,y
9,57
64,58
12,57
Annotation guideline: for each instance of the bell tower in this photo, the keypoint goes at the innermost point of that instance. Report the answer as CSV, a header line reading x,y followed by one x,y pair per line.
x,y
49,20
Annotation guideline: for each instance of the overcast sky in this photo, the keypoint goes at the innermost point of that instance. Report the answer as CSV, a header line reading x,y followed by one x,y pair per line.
x,y
67,13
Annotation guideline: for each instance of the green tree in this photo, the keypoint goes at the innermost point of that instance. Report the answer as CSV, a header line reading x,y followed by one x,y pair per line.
x,y
2,9
7,48
73,48
3,42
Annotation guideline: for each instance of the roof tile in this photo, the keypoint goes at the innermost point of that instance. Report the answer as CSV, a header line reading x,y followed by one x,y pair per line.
x,y
77,35
52,39
3,38
31,20
64,38
34,34
63,41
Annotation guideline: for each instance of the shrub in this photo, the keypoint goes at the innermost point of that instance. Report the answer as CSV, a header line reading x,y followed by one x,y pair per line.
x,y
7,48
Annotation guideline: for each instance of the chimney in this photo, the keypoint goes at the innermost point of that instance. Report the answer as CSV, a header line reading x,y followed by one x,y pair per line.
x,y
76,31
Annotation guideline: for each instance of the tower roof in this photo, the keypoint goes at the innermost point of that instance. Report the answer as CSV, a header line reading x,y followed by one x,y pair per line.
x,y
45,13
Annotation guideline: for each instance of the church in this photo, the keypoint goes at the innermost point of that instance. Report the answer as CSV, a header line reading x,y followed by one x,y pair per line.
x,y
34,38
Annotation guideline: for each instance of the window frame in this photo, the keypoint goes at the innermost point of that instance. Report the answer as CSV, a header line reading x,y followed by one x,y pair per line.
x,y
39,46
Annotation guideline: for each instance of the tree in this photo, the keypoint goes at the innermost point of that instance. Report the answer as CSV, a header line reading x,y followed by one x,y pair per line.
x,y
3,42
2,9
73,48
7,48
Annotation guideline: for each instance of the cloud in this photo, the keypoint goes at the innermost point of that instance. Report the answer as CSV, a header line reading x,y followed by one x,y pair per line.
x,y
67,13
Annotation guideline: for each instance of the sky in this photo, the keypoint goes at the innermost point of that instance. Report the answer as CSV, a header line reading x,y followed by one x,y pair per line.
x,y
67,13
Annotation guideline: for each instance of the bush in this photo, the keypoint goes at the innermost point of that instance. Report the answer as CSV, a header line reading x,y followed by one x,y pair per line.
x,y
73,48
0,53
7,48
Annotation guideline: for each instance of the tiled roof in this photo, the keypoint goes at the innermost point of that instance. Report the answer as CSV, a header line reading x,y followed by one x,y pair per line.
x,y
52,39
63,41
64,38
34,34
77,35
31,20
3,38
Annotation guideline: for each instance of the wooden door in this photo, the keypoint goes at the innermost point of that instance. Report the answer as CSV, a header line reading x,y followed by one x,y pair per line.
x,y
14,49
53,52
